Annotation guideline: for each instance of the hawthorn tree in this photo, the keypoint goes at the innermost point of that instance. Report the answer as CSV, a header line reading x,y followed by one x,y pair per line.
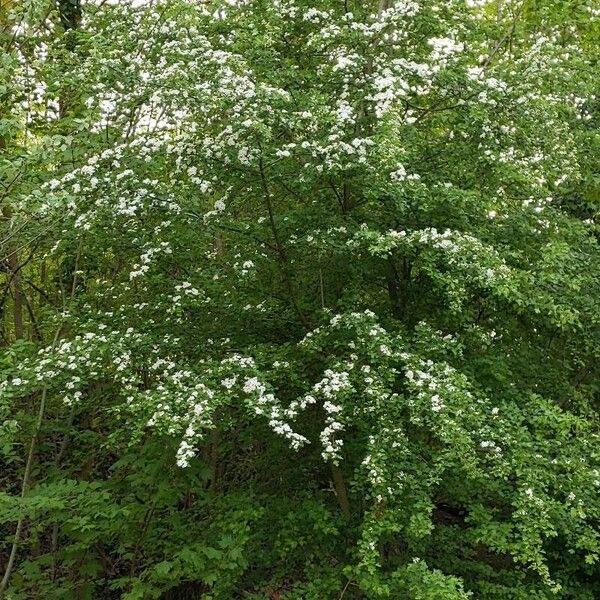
x,y
300,299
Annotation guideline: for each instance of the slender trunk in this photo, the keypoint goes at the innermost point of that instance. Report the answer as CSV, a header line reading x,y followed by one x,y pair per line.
x,y
32,445
383,5
339,484
285,269
26,481
16,283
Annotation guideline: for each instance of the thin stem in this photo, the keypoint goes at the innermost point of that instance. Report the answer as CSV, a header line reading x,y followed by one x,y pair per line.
x,y
27,478
32,444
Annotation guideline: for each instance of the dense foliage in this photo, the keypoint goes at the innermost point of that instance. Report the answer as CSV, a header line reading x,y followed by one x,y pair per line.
x,y
300,299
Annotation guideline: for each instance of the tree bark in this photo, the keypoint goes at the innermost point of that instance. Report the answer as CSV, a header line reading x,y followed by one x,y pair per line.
x,y
339,484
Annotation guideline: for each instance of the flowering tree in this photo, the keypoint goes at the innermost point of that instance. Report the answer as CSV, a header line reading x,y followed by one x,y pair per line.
x,y
300,299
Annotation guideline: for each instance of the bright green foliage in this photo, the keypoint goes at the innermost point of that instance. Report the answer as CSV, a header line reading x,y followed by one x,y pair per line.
x,y
301,299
